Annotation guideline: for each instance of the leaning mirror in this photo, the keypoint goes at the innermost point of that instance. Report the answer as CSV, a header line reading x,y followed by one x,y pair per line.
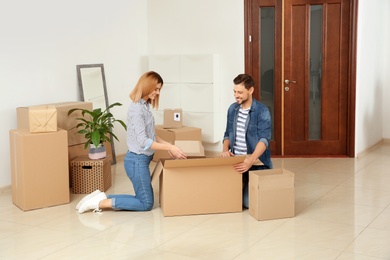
x,y
92,83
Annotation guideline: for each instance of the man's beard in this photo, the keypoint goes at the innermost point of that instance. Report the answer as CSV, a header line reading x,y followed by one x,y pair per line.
x,y
242,102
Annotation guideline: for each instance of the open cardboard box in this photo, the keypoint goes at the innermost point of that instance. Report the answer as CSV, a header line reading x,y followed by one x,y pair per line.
x,y
271,194
199,185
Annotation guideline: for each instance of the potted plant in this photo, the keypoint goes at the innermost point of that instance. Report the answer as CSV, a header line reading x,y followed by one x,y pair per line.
x,y
96,126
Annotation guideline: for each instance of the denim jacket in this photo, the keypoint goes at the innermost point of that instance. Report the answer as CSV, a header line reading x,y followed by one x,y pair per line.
x,y
258,129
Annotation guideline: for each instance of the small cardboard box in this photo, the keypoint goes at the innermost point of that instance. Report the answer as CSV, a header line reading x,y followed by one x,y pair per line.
x,y
271,194
63,120
39,168
90,175
174,134
193,149
173,118
78,150
42,119
199,186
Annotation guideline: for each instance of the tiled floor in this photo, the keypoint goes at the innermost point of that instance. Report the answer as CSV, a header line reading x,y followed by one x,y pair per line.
x,y
342,212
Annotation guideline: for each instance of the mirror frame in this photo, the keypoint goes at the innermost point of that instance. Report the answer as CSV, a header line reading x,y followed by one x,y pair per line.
x,y
82,94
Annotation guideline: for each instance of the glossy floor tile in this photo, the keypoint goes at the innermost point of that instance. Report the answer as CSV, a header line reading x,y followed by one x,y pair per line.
x,y
342,211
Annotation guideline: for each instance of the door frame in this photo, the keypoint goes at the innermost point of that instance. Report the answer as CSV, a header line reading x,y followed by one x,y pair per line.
x,y
278,149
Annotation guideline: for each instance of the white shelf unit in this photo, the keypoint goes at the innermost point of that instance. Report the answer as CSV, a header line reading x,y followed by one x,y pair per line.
x,y
191,82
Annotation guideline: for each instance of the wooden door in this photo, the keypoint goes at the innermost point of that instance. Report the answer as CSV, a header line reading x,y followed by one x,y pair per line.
x,y
263,52
316,55
313,73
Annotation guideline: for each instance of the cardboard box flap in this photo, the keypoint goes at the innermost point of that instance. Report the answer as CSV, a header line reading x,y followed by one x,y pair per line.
x,y
176,130
275,178
191,148
156,172
171,163
217,161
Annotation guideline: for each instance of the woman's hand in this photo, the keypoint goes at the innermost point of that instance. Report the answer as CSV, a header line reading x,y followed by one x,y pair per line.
x,y
176,152
243,167
226,154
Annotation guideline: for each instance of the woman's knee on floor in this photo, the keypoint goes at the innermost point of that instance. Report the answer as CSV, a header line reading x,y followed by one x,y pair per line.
x,y
148,206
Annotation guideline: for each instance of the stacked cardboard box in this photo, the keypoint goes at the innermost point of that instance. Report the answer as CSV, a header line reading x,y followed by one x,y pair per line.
x,y
39,168
173,118
63,120
75,141
42,119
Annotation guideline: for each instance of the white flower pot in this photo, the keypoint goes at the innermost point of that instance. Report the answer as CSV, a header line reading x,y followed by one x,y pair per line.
x,y
96,153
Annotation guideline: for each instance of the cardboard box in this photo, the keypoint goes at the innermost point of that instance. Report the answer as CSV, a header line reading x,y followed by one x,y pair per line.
x,y
174,134
199,186
271,194
173,118
193,149
90,175
42,119
39,168
63,120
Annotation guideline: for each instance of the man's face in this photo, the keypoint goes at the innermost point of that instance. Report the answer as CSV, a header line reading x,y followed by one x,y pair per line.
x,y
241,94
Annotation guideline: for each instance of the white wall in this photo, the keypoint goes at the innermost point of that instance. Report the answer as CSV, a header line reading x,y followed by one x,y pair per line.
x,y
386,67
42,41
372,92
202,27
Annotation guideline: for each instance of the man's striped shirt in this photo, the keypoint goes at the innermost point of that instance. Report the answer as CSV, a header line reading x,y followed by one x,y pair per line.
x,y
240,143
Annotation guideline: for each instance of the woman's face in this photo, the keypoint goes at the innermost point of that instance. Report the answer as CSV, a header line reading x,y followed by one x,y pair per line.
x,y
155,93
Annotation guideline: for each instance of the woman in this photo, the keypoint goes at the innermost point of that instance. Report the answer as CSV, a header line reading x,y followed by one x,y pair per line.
x,y
141,142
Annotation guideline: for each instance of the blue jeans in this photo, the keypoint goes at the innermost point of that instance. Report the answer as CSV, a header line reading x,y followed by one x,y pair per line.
x,y
137,169
245,181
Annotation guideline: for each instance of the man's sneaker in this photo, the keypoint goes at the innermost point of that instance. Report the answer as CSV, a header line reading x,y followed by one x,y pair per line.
x,y
93,203
96,192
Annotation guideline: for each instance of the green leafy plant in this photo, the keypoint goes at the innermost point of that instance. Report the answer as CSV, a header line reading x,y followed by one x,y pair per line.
x,y
96,125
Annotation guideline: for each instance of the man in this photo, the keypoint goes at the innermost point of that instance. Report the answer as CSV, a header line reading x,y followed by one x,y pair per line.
x,y
248,131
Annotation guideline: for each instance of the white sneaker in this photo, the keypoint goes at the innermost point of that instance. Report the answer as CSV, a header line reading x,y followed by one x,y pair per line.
x,y
96,192
93,203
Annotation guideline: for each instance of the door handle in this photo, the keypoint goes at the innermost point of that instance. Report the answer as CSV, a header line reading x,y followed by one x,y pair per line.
x,y
287,81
